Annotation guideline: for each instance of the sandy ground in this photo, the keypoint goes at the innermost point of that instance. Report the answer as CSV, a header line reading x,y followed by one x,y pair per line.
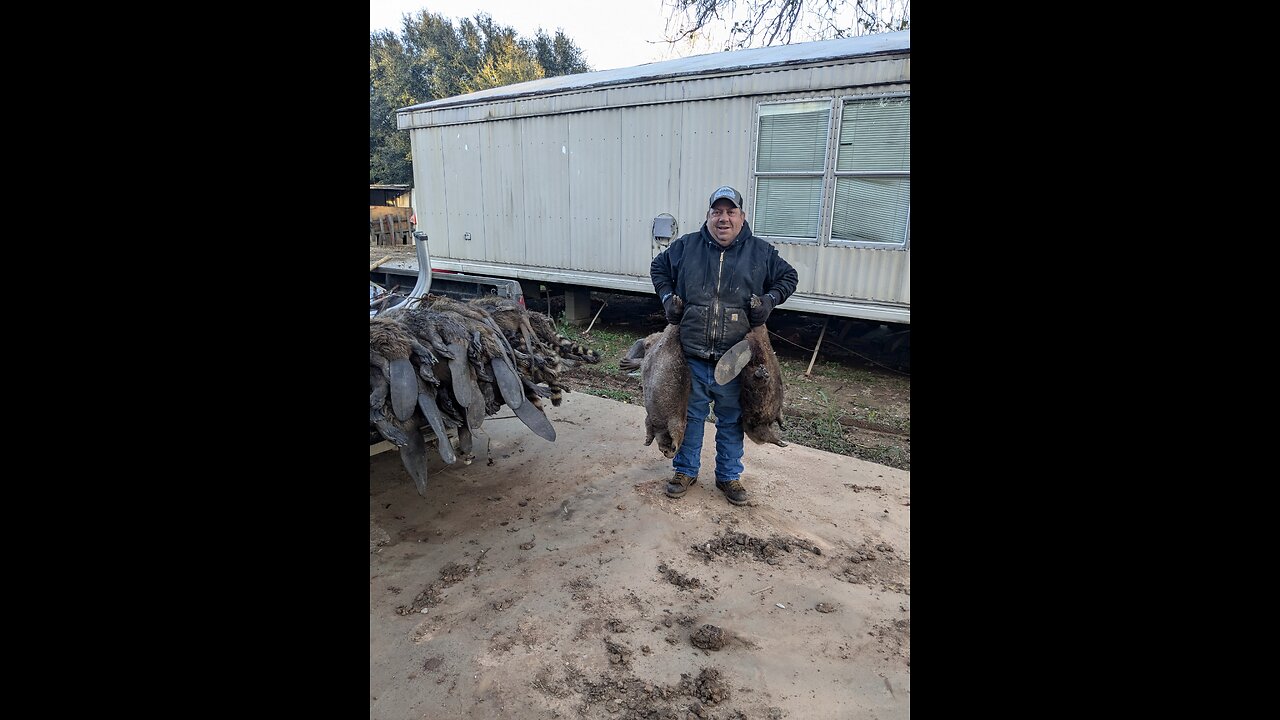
x,y
556,580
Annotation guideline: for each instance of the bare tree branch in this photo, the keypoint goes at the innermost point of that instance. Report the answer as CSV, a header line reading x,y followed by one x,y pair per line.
x,y
768,22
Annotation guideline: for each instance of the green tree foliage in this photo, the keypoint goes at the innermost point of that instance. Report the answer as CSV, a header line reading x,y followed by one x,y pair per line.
x,y
773,21
558,55
431,58
389,88
506,60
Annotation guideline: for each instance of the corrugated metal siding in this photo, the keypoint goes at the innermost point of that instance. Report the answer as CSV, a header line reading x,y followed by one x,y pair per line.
x,y
464,192
594,181
715,150
545,156
503,181
429,188
862,273
652,178
904,294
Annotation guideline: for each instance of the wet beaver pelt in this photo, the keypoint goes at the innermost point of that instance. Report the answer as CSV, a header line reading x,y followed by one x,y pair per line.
x,y
761,398
664,375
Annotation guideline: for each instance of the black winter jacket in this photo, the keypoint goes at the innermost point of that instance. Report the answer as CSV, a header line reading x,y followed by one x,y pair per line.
x,y
717,284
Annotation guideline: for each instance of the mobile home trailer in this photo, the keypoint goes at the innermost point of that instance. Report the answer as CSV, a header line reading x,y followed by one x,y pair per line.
x,y
580,180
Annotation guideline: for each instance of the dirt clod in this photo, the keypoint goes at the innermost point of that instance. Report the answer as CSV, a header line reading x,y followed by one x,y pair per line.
x,y
679,579
708,687
708,637
770,550
618,654
883,568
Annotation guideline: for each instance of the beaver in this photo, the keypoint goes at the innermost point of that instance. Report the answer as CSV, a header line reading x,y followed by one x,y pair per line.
x,y
635,354
664,375
761,398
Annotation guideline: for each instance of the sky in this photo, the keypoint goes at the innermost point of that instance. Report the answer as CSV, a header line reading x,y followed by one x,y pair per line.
x,y
611,34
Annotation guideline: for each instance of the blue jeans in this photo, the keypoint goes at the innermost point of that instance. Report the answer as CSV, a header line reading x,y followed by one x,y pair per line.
x,y
728,424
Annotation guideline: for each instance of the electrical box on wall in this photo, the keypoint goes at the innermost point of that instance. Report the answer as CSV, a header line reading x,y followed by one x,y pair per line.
x,y
664,230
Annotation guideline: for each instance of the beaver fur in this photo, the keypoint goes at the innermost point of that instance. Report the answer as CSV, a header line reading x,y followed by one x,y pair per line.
x,y
438,363
665,378
761,395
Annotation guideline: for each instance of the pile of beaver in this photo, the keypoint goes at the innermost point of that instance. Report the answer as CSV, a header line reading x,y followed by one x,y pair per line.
x,y
437,364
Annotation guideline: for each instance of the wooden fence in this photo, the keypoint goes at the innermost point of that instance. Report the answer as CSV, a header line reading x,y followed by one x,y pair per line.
x,y
390,225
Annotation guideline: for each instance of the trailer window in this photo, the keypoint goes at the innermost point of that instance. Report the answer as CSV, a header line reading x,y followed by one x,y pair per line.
x,y
791,158
873,172
867,177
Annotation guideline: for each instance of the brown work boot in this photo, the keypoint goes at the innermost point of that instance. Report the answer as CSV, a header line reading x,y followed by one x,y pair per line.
x,y
733,491
678,484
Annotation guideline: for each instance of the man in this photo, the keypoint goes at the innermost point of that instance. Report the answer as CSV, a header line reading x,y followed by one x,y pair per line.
x,y
716,271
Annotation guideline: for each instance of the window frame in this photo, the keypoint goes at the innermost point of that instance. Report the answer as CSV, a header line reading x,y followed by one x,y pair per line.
x,y
756,175
830,174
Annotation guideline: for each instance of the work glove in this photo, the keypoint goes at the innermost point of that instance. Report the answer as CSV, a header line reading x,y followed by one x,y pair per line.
x,y
674,308
760,308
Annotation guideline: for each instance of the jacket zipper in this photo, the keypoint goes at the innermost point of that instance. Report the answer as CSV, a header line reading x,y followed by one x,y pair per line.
x,y
715,306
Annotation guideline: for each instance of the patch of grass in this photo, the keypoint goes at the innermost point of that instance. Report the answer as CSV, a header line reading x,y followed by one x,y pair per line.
x,y
797,381
823,432
881,419
826,432
885,455
793,370
620,395
612,345
853,402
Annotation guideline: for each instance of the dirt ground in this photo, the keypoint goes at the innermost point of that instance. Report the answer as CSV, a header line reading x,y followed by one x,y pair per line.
x,y
556,580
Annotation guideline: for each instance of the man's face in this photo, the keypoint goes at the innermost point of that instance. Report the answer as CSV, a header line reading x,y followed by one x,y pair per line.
x,y
724,221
